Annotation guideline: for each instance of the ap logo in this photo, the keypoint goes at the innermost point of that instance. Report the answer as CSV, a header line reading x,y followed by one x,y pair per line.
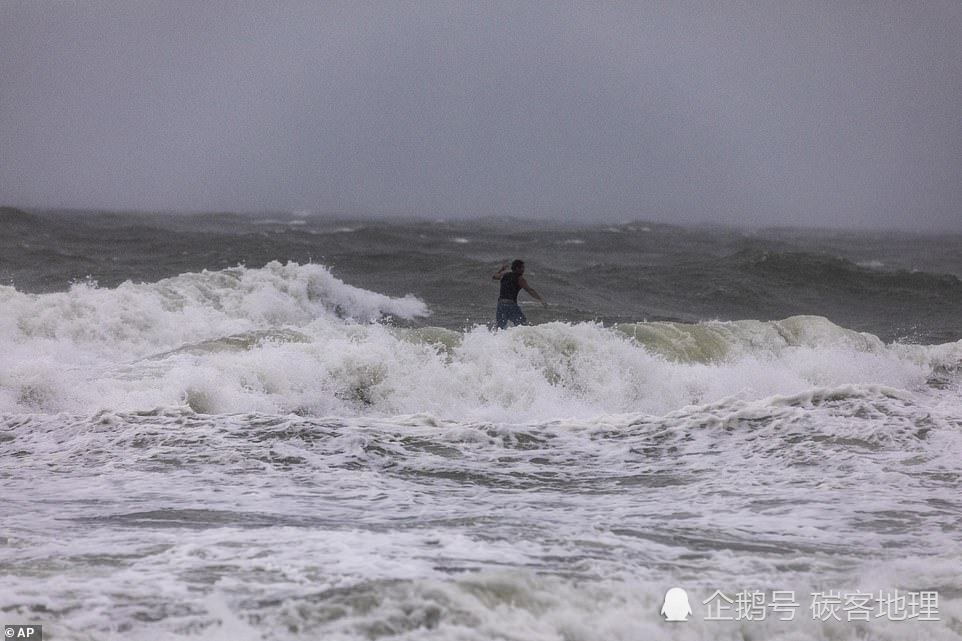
x,y
23,632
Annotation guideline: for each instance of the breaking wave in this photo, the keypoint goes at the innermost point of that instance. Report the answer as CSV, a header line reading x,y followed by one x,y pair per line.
x,y
295,339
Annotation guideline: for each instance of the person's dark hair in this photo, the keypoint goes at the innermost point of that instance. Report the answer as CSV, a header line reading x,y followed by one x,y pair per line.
x,y
517,264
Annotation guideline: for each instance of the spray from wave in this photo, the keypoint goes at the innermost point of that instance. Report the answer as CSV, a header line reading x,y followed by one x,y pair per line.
x,y
293,338
253,453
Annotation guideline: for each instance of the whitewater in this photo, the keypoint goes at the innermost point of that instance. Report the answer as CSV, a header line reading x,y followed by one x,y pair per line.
x,y
294,339
276,452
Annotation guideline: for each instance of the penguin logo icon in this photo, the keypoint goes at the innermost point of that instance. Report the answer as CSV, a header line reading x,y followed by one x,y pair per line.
x,y
676,607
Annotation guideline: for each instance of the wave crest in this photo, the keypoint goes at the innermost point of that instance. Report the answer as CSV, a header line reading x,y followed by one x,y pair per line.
x,y
138,317
288,338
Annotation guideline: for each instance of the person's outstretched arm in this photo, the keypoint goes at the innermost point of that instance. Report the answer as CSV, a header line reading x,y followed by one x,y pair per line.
x,y
501,270
528,288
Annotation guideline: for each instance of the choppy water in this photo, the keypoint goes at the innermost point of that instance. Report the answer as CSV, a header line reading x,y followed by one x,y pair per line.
x,y
341,449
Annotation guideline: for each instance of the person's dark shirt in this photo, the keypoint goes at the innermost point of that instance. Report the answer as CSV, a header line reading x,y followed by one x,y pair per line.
x,y
510,286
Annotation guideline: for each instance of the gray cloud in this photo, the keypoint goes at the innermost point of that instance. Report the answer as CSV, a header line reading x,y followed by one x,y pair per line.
x,y
758,113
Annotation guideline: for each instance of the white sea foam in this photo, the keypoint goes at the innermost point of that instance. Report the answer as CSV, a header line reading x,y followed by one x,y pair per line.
x,y
539,483
187,526
293,338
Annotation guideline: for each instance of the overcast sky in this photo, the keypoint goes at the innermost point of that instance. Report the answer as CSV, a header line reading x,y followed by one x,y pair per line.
x,y
831,113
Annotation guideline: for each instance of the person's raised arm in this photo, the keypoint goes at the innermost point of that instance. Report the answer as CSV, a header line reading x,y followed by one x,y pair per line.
x,y
528,288
501,270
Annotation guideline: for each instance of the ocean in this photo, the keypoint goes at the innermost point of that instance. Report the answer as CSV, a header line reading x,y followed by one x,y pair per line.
x,y
292,426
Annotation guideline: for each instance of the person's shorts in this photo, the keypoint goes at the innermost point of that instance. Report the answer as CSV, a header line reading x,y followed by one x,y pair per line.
x,y
508,310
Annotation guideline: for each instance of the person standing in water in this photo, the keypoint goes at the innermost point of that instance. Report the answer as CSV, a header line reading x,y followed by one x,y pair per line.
x,y
512,282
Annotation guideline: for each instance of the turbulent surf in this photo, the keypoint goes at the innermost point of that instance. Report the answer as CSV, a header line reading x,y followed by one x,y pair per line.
x,y
315,434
